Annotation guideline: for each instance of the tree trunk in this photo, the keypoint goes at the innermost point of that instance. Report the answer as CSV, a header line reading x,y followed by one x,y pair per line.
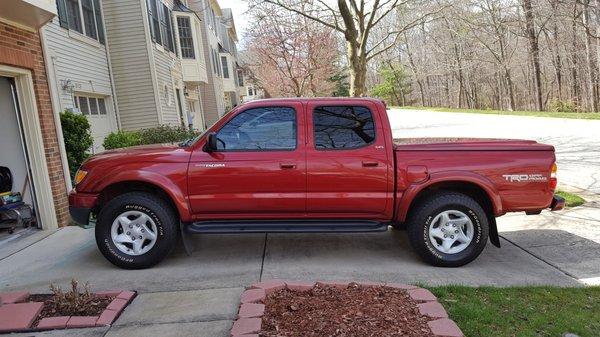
x,y
534,49
591,63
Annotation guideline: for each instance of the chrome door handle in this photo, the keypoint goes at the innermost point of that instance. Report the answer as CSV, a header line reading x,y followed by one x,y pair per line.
x,y
287,166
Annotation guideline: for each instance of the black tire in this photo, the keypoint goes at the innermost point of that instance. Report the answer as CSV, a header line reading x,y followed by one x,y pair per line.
x,y
157,209
419,222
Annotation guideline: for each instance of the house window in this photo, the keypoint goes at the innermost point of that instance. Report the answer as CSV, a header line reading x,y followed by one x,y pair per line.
x,y
186,42
240,77
89,19
83,16
250,91
90,105
73,15
153,20
225,66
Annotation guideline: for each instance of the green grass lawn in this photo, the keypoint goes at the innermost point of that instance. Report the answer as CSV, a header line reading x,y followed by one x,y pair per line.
x,y
571,200
522,311
572,115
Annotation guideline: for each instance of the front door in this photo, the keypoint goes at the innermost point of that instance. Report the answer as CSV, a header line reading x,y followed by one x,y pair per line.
x,y
259,169
348,168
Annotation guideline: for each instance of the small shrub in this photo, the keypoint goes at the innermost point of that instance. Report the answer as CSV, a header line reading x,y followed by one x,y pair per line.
x,y
557,105
119,139
157,135
76,301
78,138
166,134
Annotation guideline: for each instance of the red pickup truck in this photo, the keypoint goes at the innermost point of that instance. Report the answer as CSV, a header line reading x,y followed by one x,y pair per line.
x,y
311,165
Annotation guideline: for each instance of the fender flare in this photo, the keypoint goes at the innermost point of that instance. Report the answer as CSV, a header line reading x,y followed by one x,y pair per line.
x,y
151,178
480,181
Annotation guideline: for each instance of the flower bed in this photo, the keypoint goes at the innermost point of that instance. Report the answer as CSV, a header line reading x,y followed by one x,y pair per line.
x,y
286,308
21,311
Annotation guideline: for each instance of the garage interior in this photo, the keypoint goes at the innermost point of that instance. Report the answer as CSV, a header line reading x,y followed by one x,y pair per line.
x,y
17,194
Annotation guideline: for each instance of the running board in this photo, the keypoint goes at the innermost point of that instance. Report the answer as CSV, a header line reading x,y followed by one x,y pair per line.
x,y
289,226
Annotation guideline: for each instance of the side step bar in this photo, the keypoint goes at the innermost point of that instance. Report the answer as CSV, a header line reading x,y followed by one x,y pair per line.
x,y
288,226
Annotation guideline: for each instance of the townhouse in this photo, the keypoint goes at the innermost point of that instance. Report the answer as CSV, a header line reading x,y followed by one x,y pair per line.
x,y
123,64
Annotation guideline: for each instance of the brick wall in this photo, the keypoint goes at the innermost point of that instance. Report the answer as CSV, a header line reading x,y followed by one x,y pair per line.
x,y
22,48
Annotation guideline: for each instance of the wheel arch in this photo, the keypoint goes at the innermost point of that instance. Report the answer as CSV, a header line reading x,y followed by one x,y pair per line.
x,y
172,195
473,185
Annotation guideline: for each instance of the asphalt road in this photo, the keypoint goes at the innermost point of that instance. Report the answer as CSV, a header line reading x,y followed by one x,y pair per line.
x,y
577,141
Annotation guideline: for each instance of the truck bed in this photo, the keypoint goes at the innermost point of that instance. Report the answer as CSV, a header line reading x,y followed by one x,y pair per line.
x,y
468,144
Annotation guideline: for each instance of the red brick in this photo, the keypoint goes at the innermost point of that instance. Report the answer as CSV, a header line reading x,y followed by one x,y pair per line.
x,y
421,294
432,309
445,327
249,310
53,322
337,284
299,286
117,304
269,286
13,297
107,317
246,326
18,316
126,295
82,321
253,296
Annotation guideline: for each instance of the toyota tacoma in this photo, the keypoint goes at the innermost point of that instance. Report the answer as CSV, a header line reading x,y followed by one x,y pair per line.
x,y
311,165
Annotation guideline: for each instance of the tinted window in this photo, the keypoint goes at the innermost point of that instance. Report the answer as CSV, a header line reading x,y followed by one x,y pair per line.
x,y
259,129
343,127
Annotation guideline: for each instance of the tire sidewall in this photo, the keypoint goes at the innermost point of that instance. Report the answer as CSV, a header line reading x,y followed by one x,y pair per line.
x,y
109,249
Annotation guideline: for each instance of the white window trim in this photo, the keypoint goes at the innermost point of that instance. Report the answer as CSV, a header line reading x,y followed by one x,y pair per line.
x,y
35,144
82,36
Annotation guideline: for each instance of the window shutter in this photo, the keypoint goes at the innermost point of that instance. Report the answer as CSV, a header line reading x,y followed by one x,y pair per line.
x,y
99,22
62,13
149,4
169,28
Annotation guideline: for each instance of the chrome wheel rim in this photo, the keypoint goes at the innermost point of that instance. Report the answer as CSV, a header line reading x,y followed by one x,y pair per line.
x,y
451,232
133,233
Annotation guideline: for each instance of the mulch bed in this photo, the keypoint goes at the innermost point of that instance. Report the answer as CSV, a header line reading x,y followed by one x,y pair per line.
x,y
357,311
52,309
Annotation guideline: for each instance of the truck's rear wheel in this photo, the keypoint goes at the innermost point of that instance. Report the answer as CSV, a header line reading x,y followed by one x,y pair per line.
x,y
136,230
448,229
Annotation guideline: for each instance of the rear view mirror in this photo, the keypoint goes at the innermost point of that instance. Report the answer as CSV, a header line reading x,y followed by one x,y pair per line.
x,y
211,143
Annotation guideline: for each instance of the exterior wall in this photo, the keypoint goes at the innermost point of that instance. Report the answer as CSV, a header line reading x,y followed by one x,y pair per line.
x,y
211,92
129,44
83,61
168,78
22,48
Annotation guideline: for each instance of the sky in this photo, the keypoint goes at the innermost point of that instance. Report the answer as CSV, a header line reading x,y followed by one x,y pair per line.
x,y
239,8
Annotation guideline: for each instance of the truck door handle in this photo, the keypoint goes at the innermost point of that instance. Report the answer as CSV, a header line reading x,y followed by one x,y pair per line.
x,y
287,165
370,163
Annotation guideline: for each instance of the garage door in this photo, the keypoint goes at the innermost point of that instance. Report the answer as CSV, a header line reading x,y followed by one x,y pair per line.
x,y
95,109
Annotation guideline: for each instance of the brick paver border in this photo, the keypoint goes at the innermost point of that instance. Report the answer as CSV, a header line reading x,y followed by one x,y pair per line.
x,y
107,317
252,308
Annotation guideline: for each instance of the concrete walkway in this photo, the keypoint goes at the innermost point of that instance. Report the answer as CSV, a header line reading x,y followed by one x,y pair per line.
x,y
199,294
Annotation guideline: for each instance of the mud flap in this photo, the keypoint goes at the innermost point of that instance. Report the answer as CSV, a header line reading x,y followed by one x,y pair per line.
x,y
494,237
185,238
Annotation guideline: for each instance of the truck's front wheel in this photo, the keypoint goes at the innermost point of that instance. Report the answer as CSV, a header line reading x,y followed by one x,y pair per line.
x,y
136,230
448,229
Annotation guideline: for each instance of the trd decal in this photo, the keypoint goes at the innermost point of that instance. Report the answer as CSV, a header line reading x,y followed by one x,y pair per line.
x,y
517,178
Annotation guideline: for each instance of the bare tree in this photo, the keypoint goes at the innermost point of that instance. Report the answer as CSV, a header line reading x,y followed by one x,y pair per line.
x,y
355,20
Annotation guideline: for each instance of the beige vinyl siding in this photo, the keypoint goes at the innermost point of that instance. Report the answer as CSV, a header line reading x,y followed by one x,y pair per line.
x,y
79,59
128,45
168,76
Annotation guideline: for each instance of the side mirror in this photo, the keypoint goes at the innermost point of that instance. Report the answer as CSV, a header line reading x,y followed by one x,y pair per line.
x,y
211,143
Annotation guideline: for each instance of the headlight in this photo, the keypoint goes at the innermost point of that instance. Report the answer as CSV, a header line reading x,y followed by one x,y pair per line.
x,y
79,176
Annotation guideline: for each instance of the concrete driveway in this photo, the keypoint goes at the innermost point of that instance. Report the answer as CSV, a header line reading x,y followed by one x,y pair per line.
x,y
577,141
198,295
